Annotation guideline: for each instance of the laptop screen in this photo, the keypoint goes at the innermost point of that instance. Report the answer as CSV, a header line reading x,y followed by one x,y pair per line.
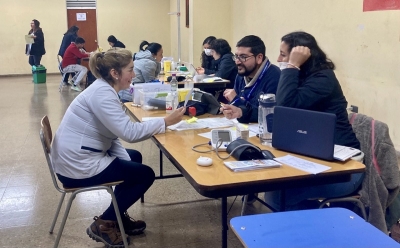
x,y
305,132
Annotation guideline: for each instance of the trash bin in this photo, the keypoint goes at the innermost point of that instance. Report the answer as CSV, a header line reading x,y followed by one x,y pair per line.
x,y
39,74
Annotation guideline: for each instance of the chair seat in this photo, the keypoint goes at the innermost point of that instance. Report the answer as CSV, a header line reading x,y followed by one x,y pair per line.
x,y
104,184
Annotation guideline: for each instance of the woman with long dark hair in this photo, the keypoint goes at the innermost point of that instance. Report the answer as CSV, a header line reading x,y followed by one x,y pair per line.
x,y
36,50
308,82
206,58
69,37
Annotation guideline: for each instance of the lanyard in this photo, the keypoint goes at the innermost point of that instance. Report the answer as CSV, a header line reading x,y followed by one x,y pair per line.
x,y
265,69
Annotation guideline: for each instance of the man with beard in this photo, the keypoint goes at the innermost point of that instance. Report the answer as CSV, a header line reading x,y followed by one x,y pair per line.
x,y
256,75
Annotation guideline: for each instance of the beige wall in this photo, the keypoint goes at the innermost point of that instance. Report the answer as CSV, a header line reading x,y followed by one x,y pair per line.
x,y
207,18
131,21
364,46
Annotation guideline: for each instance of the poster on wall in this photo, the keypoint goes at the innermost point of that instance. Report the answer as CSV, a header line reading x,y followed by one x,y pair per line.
x,y
81,16
374,5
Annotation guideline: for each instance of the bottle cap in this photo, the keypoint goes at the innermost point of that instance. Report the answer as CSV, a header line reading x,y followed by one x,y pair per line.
x,y
173,74
267,100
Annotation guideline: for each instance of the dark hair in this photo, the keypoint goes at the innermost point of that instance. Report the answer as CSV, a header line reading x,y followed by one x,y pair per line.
x,y
72,30
204,59
220,46
79,40
112,39
256,45
317,61
208,40
101,64
152,47
37,23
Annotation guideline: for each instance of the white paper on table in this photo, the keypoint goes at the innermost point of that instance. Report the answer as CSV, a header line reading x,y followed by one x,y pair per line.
x,y
217,122
253,128
202,123
184,125
150,118
302,164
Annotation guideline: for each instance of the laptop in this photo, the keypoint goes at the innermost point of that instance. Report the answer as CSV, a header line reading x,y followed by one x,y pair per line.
x,y
304,132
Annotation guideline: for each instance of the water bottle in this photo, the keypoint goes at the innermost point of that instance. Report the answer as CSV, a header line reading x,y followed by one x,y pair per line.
x,y
174,91
266,107
169,103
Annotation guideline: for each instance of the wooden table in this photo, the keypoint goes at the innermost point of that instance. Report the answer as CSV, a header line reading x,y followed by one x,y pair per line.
x,y
217,181
329,227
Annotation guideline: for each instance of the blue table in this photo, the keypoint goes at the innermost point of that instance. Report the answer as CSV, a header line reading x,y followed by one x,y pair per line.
x,y
329,227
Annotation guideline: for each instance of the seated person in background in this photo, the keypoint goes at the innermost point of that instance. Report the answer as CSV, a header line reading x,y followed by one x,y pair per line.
x,y
113,42
207,59
70,62
147,66
223,66
310,83
87,150
256,75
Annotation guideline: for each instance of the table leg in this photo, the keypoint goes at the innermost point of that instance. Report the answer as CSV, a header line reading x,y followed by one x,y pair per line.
x,y
224,222
161,163
282,204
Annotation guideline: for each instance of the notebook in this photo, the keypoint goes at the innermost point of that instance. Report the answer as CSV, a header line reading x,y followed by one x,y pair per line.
x,y
304,132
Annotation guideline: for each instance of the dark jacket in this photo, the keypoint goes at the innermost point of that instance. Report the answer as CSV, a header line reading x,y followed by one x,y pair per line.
x,y
66,41
119,44
318,91
268,84
37,47
225,68
207,62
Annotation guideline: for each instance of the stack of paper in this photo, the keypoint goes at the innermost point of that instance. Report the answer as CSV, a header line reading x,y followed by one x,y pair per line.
x,y
251,165
343,153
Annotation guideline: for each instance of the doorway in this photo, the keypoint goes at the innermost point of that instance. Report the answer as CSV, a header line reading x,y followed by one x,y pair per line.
x,y
86,20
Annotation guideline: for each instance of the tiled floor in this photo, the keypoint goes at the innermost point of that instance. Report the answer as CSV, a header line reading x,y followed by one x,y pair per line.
x,y
176,215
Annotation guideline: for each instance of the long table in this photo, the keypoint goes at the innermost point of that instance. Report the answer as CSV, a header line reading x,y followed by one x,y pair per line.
x,y
217,181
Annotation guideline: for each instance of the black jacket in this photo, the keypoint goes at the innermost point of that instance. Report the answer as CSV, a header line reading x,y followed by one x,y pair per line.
x,y
37,47
66,41
225,68
319,91
119,44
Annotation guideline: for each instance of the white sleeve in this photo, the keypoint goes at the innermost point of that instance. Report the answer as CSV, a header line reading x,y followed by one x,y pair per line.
x,y
107,108
117,150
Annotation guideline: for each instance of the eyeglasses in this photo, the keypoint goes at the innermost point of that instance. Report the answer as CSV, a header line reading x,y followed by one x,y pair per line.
x,y
241,58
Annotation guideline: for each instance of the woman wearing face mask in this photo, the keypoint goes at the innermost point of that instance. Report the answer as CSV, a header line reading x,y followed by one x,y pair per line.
x,y
147,66
223,66
207,59
309,82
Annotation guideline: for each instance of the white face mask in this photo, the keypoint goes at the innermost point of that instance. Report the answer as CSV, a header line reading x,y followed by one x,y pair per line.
x,y
283,65
208,52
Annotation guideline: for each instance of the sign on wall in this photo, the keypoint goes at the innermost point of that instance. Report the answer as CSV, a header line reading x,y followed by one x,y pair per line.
x,y
81,16
373,5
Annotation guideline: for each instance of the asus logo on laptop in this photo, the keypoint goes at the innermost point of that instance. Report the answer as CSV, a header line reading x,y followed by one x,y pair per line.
x,y
302,132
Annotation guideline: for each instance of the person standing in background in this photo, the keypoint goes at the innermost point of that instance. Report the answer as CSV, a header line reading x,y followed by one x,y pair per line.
x,y
113,42
36,50
69,37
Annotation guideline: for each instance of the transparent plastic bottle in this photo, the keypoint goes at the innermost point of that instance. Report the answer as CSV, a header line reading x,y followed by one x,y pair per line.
x,y
266,107
174,91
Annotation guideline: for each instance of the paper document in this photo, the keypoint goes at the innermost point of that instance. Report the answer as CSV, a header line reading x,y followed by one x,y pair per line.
x,y
29,39
212,79
343,153
254,128
202,123
302,164
251,165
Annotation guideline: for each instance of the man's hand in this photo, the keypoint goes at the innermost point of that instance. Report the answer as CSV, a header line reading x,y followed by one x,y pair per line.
x,y
229,94
299,55
231,112
174,117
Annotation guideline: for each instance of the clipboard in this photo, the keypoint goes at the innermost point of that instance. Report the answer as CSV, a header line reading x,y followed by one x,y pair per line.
x,y
29,39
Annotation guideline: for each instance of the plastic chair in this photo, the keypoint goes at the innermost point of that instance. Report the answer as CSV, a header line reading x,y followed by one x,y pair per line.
x,y
59,59
46,139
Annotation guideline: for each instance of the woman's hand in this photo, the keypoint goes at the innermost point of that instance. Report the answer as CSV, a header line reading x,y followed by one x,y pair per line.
x,y
231,112
299,55
229,94
174,117
200,70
